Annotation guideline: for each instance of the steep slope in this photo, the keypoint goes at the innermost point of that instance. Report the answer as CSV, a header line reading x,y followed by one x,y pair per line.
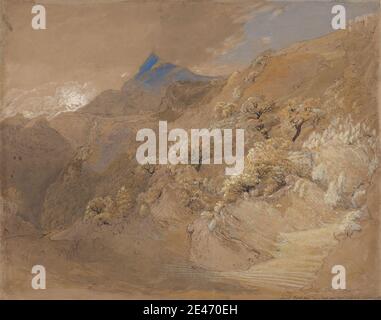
x,y
32,156
324,114
106,128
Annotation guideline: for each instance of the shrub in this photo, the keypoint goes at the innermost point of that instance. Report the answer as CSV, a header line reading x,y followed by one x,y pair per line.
x,y
100,209
266,167
225,109
346,133
104,209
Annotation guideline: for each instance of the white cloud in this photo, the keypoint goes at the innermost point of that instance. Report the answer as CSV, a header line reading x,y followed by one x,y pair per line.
x,y
266,40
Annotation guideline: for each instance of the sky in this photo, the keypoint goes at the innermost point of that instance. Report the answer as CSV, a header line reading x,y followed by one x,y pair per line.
x,y
104,42
289,23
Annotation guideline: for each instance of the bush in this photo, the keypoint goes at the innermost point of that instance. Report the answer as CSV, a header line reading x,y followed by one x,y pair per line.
x,y
266,167
225,109
100,209
104,209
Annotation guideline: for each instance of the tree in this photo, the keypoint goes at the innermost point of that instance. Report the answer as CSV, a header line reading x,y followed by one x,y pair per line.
x,y
298,113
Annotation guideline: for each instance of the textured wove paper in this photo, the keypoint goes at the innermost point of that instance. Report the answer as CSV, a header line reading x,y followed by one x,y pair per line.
x,y
81,217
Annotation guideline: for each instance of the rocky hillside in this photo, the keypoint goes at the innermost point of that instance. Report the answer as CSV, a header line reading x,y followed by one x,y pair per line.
x,y
307,191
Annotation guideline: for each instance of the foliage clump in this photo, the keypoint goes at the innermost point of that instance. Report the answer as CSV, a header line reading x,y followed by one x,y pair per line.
x,y
104,209
225,109
266,167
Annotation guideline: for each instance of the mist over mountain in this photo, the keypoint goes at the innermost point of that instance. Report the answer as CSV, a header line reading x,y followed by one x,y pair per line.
x,y
47,100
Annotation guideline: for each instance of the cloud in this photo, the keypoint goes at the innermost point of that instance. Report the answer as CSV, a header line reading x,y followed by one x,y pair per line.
x,y
266,40
100,41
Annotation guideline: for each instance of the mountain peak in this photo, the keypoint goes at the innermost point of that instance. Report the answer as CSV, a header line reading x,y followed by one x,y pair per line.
x,y
155,74
148,64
